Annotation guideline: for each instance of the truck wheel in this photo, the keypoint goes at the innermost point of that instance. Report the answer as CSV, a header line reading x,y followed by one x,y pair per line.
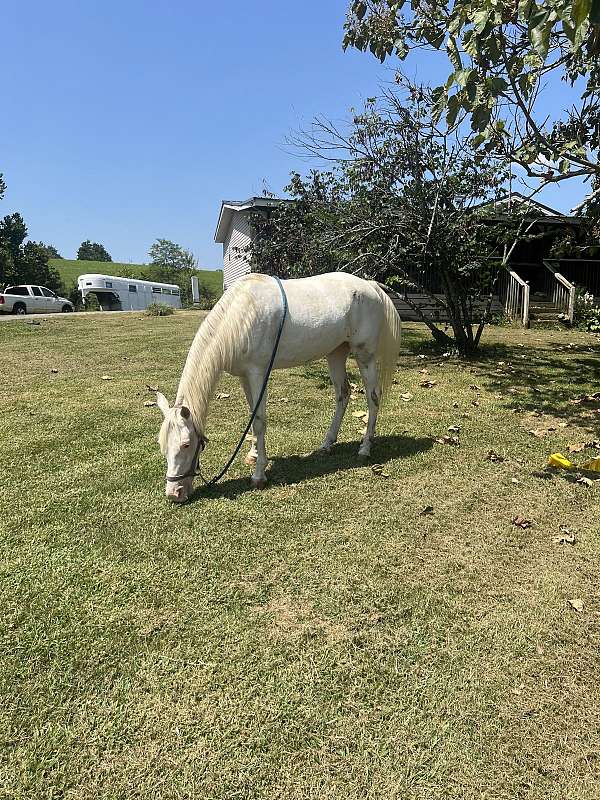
x,y
66,309
19,308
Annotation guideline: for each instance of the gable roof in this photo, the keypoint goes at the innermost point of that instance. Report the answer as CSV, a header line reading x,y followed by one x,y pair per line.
x,y
513,199
230,207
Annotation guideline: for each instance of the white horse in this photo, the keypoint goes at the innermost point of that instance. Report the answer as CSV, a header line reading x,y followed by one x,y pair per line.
x,y
329,316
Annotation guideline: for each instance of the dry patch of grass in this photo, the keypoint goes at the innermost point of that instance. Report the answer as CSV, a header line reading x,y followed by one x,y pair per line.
x,y
341,634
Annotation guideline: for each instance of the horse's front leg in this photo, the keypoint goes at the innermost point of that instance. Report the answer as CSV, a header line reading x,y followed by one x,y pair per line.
x,y
252,455
341,387
368,371
255,383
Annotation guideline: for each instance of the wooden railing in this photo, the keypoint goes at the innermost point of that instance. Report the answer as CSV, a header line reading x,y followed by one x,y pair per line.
x,y
563,292
514,295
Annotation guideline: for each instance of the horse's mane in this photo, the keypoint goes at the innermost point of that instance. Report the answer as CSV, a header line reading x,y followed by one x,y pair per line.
x,y
220,340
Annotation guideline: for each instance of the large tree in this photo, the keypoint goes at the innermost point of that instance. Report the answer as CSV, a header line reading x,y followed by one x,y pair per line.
x,y
92,251
22,261
501,56
403,202
165,253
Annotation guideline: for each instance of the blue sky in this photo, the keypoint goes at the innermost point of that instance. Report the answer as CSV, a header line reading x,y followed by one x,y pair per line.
x,y
127,121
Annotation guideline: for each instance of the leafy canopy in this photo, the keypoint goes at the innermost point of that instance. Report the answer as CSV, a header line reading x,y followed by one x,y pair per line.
x,y
501,55
398,204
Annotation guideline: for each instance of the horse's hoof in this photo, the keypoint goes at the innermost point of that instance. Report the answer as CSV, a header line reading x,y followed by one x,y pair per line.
x,y
325,448
250,461
259,483
363,456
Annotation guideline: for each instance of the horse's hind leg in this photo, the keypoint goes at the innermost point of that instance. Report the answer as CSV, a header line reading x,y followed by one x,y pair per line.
x,y
339,379
250,459
368,371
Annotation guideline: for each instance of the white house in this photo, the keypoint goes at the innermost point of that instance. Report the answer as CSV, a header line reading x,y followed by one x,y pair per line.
x,y
234,233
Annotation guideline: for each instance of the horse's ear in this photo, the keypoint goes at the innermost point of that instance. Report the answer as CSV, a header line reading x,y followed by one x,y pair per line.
x,y
162,403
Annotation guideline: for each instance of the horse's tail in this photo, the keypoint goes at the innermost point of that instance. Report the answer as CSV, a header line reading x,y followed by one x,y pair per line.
x,y
389,341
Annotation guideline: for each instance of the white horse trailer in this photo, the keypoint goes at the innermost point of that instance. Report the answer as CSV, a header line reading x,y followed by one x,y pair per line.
x,y
127,294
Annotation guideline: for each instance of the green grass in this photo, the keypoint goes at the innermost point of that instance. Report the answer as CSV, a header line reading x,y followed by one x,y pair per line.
x,y
70,270
321,638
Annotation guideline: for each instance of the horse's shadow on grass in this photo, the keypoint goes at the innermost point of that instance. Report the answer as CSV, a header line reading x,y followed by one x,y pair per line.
x,y
297,468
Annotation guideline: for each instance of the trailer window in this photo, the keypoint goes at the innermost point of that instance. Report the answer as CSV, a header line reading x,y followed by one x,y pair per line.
x,y
108,284
175,291
132,287
156,290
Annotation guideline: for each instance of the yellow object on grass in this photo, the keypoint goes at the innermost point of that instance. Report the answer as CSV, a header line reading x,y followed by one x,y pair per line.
x,y
593,465
558,460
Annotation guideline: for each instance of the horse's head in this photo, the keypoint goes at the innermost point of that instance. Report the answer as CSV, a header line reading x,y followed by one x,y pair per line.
x,y
181,444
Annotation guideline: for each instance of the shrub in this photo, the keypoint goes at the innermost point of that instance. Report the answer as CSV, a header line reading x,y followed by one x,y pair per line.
x,y
159,310
587,315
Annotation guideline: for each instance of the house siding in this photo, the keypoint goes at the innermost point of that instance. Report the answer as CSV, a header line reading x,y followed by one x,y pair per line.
x,y
236,263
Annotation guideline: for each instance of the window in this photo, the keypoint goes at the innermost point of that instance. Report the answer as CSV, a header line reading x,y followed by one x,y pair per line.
x,y
175,291
47,292
88,283
36,291
156,290
108,284
132,287
166,291
17,290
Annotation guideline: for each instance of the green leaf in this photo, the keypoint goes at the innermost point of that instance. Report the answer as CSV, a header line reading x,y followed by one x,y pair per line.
x,y
580,11
464,76
540,38
453,53
360,9
481,18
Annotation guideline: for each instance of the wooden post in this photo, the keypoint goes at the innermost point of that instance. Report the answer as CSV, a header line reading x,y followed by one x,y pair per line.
x,y
526,305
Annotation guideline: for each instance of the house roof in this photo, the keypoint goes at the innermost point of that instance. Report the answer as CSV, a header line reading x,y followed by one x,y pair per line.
x,y
517,199
230,207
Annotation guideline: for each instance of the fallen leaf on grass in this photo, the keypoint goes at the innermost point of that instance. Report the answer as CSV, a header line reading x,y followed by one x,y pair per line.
x,y
425,511
587,398
521,522
455,405
105,378
494,457
475,403
454,429
149,403
378,470
564,537
475,387
453,440
222,395
538,432
514,480
406,396
428,384
576,603
584,481
54,371
576,448
151,388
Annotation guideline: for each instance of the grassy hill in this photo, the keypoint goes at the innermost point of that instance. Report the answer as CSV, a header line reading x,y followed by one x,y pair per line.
x,y
69,270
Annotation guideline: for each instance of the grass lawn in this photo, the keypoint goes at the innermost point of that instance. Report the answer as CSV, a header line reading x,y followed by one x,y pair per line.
x,y
70,269
323,638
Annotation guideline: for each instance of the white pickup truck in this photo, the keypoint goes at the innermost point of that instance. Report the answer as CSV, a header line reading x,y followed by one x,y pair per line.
x,y
29,299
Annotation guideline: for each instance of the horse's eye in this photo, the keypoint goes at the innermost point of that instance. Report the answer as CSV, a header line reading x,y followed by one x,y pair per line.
x,y
185,444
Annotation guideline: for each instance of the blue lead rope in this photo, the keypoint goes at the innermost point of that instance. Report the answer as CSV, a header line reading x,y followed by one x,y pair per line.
x,y
218,477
